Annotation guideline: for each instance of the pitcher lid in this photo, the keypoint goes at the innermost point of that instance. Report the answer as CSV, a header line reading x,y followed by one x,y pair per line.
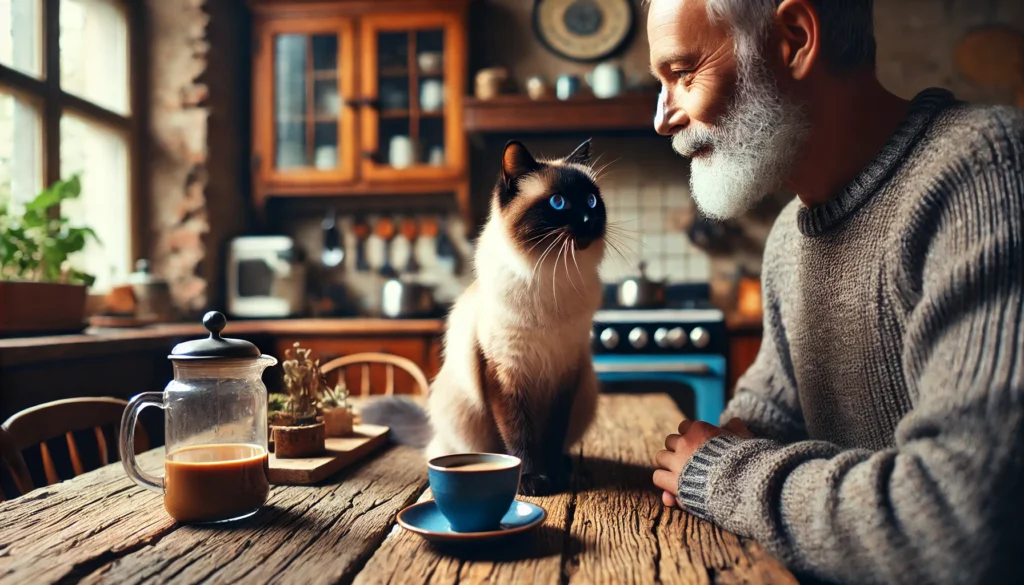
x,y
214,346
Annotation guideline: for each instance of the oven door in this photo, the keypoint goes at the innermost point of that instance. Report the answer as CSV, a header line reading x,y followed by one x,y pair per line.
x,y
695,383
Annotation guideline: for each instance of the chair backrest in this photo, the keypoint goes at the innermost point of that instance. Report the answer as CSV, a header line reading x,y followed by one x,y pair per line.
x,y
10,457
390,362
37,425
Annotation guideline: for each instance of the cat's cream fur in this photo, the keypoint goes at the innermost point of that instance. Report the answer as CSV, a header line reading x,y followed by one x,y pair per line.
x,y
534,319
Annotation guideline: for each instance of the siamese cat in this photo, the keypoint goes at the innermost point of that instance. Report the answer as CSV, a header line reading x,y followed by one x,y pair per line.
x,y
517,375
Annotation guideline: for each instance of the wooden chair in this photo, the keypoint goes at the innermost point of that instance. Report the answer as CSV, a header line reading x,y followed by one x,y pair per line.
x,y
10,457
390,362
39,424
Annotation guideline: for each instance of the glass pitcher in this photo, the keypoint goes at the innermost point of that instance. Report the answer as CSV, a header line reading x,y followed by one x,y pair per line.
x,y
216,464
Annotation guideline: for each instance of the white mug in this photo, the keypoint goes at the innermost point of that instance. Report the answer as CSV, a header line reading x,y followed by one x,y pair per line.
x,y
326,157
400,152
431,95
606,80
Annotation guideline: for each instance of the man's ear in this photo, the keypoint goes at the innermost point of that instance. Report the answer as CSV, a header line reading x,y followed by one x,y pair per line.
x,y
516,161
581,155
799,31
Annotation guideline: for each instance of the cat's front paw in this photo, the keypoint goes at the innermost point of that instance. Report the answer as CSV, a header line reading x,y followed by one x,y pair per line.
x,y
535,484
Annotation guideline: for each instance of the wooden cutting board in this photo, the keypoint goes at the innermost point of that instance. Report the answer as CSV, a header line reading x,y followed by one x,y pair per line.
x,y
340,453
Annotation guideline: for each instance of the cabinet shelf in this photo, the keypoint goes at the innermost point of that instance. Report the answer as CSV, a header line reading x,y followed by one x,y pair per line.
x,y
518,113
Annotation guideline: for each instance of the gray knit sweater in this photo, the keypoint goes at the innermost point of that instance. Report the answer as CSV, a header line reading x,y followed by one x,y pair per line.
x,y
888,395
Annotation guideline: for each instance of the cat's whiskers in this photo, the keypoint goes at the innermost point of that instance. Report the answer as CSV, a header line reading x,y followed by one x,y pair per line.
x,y
544,255
540,239
577,267
570,244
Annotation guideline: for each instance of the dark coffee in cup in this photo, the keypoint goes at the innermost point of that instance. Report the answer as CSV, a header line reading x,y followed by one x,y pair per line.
x,y
474,490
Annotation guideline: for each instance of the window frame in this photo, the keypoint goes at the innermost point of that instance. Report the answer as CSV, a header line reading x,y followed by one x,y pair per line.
x,y
52,102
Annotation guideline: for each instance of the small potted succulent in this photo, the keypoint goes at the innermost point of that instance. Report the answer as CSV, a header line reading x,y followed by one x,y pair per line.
x,y
300,434
338,415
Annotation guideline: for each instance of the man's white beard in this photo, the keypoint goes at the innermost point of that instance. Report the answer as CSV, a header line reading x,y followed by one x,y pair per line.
x,y
753,146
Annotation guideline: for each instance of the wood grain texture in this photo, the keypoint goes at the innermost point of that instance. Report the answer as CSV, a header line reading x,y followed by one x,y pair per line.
x,y
308,534
611,528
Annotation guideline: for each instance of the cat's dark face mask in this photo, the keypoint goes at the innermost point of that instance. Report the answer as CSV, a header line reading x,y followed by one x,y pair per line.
x,y
547,201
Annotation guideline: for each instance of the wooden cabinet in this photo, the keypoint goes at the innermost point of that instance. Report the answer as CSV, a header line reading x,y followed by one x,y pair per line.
x,y
359,97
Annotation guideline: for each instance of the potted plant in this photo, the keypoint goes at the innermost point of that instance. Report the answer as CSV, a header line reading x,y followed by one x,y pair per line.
x,y
302,435
338,416
39,291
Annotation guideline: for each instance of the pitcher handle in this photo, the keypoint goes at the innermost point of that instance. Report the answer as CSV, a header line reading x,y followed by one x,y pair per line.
x,y
127,441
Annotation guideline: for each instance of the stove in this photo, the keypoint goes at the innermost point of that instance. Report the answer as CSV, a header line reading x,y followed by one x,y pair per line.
x,y
678,351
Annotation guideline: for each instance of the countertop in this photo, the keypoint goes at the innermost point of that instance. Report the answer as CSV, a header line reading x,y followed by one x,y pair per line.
x,y
97,341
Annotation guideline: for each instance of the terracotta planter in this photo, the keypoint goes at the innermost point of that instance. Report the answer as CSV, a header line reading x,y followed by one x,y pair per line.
x,y
299,441
338,422
35,308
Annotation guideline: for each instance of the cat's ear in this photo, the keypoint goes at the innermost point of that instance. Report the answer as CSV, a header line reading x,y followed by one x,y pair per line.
x,y
581,155
516,161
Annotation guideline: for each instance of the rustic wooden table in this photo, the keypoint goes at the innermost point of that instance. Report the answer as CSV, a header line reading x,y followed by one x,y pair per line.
x,y
611,527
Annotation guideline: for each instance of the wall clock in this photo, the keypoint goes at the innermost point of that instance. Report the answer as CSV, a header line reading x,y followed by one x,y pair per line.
x,y
583,30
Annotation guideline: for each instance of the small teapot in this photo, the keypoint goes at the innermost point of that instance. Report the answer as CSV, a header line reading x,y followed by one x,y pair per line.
x,y
216,466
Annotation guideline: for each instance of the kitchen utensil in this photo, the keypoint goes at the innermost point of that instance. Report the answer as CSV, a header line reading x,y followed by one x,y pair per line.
x,y
639,292
566,86
409,230
215,429
361,229
152,294
606,80
445,249
401,152
385,230
431,95
333,253
402,299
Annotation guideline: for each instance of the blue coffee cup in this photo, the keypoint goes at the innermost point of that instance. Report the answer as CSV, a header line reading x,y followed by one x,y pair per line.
x,y
474,490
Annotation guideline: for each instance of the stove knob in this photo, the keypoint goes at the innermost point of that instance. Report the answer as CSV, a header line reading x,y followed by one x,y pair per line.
x,y
638,338
676,338
661,337
610,338
700,337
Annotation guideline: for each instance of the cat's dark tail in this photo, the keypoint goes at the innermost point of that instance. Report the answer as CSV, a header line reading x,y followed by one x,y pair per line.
x,y
407,419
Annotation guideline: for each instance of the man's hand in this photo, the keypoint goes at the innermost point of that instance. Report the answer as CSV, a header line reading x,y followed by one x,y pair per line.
x,y
680,447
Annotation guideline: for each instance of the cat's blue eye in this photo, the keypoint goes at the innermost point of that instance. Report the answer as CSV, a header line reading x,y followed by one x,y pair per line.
x,y
592,201
557,201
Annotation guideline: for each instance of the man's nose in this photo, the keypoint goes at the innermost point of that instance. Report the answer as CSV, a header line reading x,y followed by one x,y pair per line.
x,y
669,118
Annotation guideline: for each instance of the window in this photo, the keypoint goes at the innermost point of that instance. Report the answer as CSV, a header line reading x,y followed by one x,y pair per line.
x,y
67,106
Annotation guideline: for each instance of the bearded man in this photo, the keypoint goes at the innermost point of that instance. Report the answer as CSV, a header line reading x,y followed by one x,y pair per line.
x,y
879,435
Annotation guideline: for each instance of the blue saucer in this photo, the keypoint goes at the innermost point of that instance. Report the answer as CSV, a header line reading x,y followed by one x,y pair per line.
x,y
427,521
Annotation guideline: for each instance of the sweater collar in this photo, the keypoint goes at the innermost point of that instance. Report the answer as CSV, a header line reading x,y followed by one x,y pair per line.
x,y
817,220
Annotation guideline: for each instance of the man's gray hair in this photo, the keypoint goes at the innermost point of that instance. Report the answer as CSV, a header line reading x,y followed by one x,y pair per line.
x,y
847,28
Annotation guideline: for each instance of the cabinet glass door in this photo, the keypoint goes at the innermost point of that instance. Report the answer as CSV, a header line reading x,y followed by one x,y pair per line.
x,y
311,133
411,124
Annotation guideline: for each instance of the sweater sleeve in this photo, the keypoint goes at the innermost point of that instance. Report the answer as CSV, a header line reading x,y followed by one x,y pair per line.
x,y
765,397
944,505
